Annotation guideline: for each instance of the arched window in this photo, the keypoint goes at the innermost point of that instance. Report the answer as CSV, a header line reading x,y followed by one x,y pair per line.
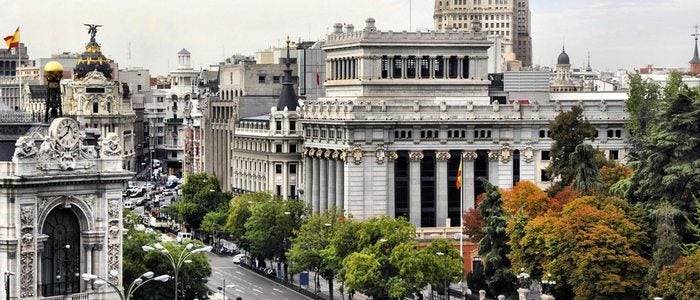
x,y
95,107
109,107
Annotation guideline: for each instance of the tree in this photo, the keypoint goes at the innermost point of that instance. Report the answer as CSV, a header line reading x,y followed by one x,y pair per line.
x,y
214,222
201,194
592,248
693,229
668,246
493,247
641,105
527,198
238,214
681,281
271,227
311,247
583,161
473,222
568,130
192,276
444,264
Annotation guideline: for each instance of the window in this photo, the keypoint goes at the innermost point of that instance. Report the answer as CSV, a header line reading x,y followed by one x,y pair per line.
x,y
292,191
278,125
275,79
544,177
542,134
292,169
261,79
278,169
173,154
279,190
544,155
611,133
292,126
160,140
618,133
95,107
138,87
293,148
614,155
278,148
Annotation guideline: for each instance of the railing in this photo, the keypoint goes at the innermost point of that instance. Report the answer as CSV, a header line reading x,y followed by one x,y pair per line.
x,y
15,117
78,296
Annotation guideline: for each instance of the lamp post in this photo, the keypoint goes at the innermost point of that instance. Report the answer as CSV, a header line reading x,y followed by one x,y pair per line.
x,y
176,263
445,260
125,294
7,284
223,288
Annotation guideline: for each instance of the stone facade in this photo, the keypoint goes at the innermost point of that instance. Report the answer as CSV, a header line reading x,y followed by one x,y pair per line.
x,y
403,110
62,206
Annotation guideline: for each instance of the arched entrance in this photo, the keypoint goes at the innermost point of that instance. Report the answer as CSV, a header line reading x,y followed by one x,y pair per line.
x,y
60,259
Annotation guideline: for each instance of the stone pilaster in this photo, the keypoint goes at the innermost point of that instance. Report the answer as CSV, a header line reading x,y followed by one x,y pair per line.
x,y
441,188
493,166
468,158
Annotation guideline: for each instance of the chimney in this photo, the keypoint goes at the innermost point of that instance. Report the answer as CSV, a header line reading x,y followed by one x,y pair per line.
x,y
349,28
338,28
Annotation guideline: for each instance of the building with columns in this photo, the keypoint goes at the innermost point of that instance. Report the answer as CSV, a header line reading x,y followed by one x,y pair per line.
x,y
61,205
403,110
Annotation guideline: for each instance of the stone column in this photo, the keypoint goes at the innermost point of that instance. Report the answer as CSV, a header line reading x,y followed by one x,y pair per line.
x,y
285,180
307,179
391,67
323,184
441,188
418,67
459,68
493,167
339,183
404,63
391,188
331,183
468,158
431,67
414,207
315,193
446,67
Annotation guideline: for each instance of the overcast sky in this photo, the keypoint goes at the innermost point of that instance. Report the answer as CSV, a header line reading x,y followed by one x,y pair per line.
x,y
618,33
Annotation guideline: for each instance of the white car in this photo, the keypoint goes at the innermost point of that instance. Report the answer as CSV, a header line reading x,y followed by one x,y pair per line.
x,y
128,204
181,236
239,258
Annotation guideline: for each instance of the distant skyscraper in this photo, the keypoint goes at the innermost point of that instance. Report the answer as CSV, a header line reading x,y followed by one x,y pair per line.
x,y
509,19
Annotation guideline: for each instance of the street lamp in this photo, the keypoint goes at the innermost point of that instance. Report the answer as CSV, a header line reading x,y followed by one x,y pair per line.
x,y
223,288
7,284
176,263
135,285
445,260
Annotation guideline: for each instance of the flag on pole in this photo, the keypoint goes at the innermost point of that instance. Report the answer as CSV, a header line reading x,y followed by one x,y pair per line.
x,y
12,41
318,79
459,176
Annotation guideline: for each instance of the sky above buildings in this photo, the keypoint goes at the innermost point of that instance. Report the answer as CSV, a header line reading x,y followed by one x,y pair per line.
x,y
618,33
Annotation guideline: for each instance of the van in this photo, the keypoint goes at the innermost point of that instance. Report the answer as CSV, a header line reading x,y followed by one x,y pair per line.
x,y
181,236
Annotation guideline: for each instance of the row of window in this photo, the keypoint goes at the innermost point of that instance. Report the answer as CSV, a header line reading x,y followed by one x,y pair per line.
x,y
292,125
292,168
323,133
612,133
435,134
437,67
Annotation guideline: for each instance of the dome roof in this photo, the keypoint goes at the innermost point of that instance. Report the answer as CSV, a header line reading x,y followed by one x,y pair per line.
x,y
563,58
92,60
184,52
53,66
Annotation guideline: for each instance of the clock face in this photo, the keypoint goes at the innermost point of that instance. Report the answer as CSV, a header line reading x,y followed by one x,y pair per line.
x,y
67,133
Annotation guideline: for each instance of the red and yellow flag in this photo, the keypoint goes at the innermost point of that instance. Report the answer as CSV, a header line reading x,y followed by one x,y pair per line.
x,y
12,41
459,176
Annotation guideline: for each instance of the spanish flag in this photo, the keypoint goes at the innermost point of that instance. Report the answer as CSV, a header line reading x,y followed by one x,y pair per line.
x,y
12,41
458,183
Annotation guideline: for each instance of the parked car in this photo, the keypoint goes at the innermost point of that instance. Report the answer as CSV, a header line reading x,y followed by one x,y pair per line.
x,y
137,192
239,258
140,201
181,236
128,204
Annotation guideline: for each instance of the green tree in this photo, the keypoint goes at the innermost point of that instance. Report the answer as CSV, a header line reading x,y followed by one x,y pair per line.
x,y
693,229
641,105
214,223
238,214
668,246
568,130
444,264
493,247
192,276
271,227
201,194
585,168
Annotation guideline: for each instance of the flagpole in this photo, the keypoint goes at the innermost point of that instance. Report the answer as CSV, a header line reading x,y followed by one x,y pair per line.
x,y
19,64
461,219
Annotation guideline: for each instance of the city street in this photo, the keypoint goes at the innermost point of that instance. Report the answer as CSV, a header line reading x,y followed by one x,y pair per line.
x,y
245,283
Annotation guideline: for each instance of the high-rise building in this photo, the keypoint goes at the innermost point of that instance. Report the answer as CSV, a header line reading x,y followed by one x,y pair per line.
x,y
509,19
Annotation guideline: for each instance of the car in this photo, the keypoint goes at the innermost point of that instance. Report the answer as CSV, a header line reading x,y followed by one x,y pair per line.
x,y
239,258
181,236
167,193
140,201
137,192
149,186
128,204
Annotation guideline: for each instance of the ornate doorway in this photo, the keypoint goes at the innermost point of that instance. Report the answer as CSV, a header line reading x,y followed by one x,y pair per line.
x,y
60,259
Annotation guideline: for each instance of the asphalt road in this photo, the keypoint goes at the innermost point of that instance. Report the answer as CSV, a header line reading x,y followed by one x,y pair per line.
x,y
244,283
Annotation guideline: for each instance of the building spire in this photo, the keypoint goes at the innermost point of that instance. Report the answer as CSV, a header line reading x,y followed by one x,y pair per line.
x,y
588,68
696,58
288,97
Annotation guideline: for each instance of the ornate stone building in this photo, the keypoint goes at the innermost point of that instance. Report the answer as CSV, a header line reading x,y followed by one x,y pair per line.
x,y
403,110
61,202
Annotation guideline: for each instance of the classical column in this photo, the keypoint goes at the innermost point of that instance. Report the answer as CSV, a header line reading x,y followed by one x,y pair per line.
x,y
323,184
307,179
446,67
331,181
441,188
285,180
414,207
431,66
418,67
493,167
505,172
339,183
391,187
459,68
468,158
315,192
404,63
390,61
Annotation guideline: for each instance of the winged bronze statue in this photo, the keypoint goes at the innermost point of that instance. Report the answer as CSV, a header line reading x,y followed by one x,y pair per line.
x,y
92,30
